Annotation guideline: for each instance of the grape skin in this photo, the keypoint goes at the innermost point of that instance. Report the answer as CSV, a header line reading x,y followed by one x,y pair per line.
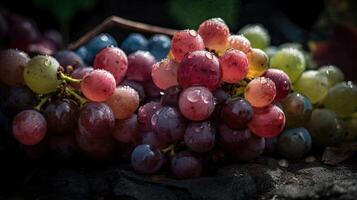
x,y
184,42
145,113
258,63
257,35
146,159
12,64
151,139
134,42
200,137
98,85
234,64
260,92
214,33
137,86
334,74
297,109
69,58
79,73
126,130
236,113
164,73
282,83
240,43
140,66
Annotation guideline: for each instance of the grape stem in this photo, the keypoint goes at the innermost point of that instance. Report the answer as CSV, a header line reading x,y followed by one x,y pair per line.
x,y
43,100
81,100
68,78
170,149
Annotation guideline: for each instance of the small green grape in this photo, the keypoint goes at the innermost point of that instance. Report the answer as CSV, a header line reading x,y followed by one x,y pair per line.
x,y
257,35
313,85
293,45
333,74
291,61
294,143
40,74
326,128
342,98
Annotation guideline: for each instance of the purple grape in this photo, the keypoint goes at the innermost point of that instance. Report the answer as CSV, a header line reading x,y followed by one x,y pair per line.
x,y
282,83
236,113
139,66
126,130
54,36
200,137
79,73
185,165
151,90
69,58
146,159
145,113
151,139
171,96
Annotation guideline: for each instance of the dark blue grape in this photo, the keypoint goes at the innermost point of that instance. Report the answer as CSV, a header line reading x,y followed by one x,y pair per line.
x,y
159,46
146,159
134,42
68,58
98,43
294,143
84,54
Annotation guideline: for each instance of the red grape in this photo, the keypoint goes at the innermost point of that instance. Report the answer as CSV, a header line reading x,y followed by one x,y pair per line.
x,y
114,61
234,64
126,130
260,92
236,113
145,113
267,122
29,127
98,85
215,34
200,68
164,73
79,73
123,102
140,65
282,83
184,42
146,159
185,165
12,64
200,136
239,42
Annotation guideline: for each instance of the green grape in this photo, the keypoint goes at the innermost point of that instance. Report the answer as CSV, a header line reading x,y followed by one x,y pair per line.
x,y
334,75
297,109
293,45
294,143
342,98
40,74
326,128
313,85
351,127
291,61
257,35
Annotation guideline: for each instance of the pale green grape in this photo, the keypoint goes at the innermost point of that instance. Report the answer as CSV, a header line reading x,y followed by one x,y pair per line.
x,y
326,128
333,74
342,98
313,85
351,127
293,45
257,35
40,74
291,61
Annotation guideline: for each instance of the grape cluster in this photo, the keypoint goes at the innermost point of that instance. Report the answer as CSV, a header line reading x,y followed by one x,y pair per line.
x,y
202,99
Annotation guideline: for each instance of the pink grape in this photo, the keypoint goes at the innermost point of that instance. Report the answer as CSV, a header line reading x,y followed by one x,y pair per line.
x,y
114,61
215,34
234,64
260,92
282,83
196,103
267,122
98,85
200,68
164,73
123,102
140,65
79,73
184,42
126,130
29,127
239,42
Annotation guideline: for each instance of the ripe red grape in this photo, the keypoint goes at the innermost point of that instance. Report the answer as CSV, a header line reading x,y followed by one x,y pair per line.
x,y
164,73
140,65
184,42
126,130
145,113
196,103
260,92
234,64
185,165
239,42
200,68
98,85
200,136
237,113
29,127
267,122
123,102
114,61
282,83
12,63
79,73
146,159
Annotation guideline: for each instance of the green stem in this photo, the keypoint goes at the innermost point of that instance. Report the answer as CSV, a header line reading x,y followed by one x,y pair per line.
x,y
68,78
81,100
170,148
43,100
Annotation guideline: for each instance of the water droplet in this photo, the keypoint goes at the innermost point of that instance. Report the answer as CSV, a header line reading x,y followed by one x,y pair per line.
x,y
193,33
154,120
209,55
194,96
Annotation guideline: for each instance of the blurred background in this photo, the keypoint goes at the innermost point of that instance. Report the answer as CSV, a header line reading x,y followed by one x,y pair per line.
x,y
325,27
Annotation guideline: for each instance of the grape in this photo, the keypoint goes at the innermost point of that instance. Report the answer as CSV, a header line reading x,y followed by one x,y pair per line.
x,y
294,143
234,64
258,63
240,43
69,58
260,92
12,63
334,75
159,46
16,99
257,35
282,83
134,42
123,102
54,36
151,90
63,146
171,96
98,43
168,124
137,86
313,85
326,128
270,145
145,113
267,122
200,68
98,85
22,34
214,33
114,61
231,138
271,51
220,97
196,103
126,130
29,127
185,165
200,136
291,61
164,73
342,98
79,73
151,139
140,65
184,42
236,113
297,109
61,116
96,120
351,127
40,74
84,54
146,159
